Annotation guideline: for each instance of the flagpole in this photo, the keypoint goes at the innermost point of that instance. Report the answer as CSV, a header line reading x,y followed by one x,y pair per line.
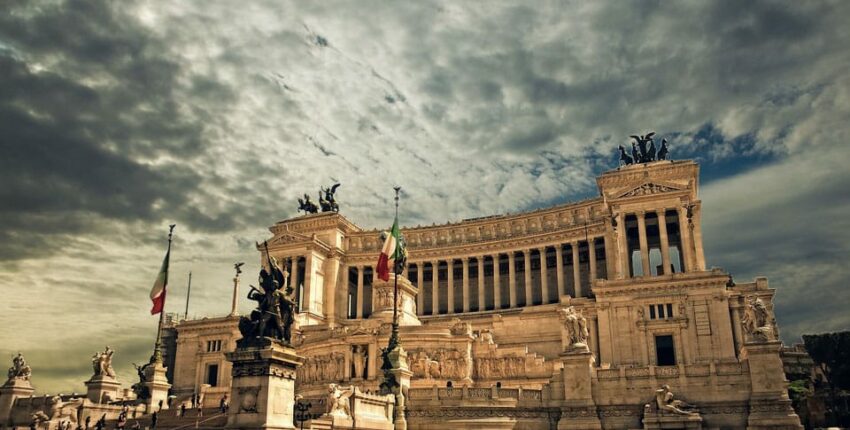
x,y
394,335
157,348
188,291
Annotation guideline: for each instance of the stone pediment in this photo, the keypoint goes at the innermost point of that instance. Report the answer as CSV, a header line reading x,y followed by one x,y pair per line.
x,y
287,237
648,188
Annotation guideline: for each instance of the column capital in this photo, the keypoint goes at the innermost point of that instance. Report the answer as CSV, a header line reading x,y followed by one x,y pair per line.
x,y
591,239
526,251
640,213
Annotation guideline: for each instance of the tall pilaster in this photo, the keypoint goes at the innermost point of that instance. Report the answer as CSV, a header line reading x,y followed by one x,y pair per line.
x,y
623,257
576,270
526,253
696,230
360,306
665,241
544,282
295,281
512,277
644,248
559,269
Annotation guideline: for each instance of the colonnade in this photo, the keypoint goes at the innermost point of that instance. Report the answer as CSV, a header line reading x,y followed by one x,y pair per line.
x,y
686,245
500,280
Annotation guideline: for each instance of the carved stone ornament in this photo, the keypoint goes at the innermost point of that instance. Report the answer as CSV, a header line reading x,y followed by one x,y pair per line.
x,y
648,189
248,399
20,369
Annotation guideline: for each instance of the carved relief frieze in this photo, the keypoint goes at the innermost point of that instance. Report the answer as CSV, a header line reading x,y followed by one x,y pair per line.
x,y
323,368
647,189
439,363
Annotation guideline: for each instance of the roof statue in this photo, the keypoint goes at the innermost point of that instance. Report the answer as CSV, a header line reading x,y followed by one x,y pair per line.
x,y
327,198
306,205
20,369
644,150
102,363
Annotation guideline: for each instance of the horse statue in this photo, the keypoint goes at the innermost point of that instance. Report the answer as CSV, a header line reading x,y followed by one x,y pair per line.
x,y
624,158
328,201
307,206
642,141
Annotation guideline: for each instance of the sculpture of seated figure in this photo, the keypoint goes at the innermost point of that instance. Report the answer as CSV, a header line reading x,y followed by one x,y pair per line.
x,y
666,402
338,403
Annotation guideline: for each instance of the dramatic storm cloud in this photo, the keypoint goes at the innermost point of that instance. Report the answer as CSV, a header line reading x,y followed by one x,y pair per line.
x,y
118,118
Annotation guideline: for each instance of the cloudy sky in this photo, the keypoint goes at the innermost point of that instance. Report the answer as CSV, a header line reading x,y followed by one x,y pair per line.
x,y
118,118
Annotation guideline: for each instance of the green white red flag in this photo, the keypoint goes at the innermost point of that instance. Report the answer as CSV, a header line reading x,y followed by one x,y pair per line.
x,y
392,250
158,290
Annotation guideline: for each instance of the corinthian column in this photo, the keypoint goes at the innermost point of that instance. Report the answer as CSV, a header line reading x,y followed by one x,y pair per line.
x,y
576,270
559,269
665,242
420,288
591,253
481,296
450,297
644,248
359,313
526,253
435,287
512,278
465,274
497,280
544,283
685,239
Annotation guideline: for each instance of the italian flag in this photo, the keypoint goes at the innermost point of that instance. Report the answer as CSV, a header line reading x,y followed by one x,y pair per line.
x,y
391,251
158,290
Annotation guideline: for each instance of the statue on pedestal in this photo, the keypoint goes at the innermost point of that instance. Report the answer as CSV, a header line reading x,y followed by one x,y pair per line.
x,y
102,363
576,326
358,359
275,313
666,402
19,369
140,388
756,321
338,403
328,201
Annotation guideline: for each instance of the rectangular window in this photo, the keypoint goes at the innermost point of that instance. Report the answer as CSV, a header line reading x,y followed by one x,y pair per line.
x,y
669,310
665,354
660,311
212,375
213,345
652,312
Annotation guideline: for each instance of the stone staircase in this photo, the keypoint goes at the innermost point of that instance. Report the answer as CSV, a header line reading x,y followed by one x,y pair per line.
x,y
212,418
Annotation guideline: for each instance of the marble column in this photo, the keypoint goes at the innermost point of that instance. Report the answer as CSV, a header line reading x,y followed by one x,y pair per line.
x,y
591,250
544,282
576,270
594,337
559,269
736,327
665,242
622,249
526,253
359,313
450,281
481,295
497,280
420,288
465,263
644,248
435,287
346,279
696,232
512,278
685,236
295,282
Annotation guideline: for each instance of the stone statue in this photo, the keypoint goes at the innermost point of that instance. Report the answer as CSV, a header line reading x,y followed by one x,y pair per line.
x,y
328,201
662,153
624,158
756,320
20,369
307,206
140,388
635,153
275,312
576,326
338,404
358,360
102,363
666,402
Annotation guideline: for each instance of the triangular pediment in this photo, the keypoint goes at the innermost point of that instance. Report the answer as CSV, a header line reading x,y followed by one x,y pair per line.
x,y
649,188
289,237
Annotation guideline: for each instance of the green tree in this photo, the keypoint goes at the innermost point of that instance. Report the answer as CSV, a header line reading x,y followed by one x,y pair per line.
x,y
831,352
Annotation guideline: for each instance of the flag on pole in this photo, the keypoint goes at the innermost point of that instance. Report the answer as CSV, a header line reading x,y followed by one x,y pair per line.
x,y
392,250
158,290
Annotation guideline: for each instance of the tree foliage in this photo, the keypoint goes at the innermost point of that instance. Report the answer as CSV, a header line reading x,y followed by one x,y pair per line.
x,y
831,352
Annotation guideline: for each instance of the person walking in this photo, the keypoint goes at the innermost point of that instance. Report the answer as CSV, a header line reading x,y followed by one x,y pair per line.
x,y
182,409
154,419
222,405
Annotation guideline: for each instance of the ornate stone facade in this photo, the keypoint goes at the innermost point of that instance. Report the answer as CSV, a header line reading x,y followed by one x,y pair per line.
x,y
569,316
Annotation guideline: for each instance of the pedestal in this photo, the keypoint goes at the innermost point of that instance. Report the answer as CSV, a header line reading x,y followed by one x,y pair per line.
x,y
579,409
9,392
263,389
102,389
158,386
402,374
382,298
770,407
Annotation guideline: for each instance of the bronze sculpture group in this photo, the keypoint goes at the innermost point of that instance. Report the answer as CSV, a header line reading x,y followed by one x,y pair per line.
x,y
644,150
327,201
275,313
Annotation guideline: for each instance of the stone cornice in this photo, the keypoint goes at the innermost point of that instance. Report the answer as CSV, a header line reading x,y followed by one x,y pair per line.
x,y
310,223
675,283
